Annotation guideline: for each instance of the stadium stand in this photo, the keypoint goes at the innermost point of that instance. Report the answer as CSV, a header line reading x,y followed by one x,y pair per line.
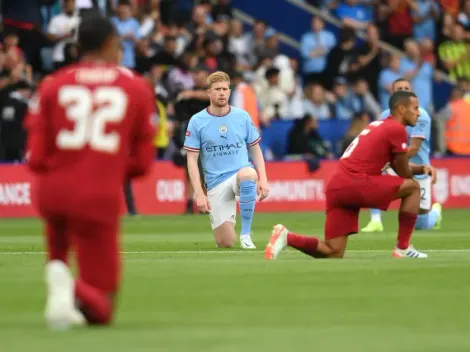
x,y
332,61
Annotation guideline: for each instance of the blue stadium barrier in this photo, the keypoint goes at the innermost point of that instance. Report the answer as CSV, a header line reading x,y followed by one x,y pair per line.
x,y
275,137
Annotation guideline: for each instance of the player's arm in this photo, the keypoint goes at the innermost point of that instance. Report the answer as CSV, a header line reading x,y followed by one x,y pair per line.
x,y
36,128
415,144
420,132
397,138
142,151
192,144
194,174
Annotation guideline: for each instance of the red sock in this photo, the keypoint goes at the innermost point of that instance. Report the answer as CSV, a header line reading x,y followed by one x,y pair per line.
x,y
305,244
94,304
406,225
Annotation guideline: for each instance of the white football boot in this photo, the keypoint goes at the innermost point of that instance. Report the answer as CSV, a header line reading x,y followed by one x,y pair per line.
x,y
246,242
60,312
410,252
277,243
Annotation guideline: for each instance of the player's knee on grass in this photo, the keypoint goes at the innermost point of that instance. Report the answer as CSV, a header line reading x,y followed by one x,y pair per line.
x,y
247,173
224,235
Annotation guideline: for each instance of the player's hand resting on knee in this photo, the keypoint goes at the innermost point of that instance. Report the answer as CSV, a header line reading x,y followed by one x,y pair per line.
x,y
263,189
202,203
430,171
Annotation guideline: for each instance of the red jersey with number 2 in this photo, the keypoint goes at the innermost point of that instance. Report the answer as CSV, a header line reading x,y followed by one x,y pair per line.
x,y
90,127
375,147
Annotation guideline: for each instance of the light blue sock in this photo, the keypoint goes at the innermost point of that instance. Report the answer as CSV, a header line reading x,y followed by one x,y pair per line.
x,y
427,221
375,215
247,204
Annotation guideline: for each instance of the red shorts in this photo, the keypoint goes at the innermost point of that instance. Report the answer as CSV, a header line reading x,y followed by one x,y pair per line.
x,y
347,194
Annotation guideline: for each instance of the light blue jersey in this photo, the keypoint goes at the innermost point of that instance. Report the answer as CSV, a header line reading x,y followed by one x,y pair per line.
x,y
421,130
222,141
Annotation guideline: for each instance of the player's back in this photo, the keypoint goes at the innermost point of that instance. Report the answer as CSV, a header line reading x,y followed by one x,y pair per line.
x,y
93,113
374,147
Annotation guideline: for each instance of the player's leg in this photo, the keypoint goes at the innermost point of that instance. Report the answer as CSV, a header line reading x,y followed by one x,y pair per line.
x,y
410,195
429,217
246,188
223,213
60,311
340,223
375,223
98,262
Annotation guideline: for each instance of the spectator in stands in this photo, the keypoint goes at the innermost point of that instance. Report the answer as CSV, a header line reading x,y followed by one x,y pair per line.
x,y
398,20
315,103
339,57
273,100
386,78
167,54
354,14
425,15
305,140
419,73
198,22
368,56
427,51
62,30
343,107
271,46
257,40
23,17
464,15
222,7
129,29
314,48
457,129
239,45
290,85
14,106
358,123
363,100
180,77
244,97
454,54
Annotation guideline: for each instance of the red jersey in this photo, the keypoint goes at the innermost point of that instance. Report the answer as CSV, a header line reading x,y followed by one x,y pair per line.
x,y
89,128
375,147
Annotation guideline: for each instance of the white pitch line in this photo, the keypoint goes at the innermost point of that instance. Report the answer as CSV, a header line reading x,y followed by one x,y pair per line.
x,y
249,251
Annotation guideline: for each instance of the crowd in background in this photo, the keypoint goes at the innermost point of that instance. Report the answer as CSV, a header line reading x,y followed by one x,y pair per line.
x,y
176,44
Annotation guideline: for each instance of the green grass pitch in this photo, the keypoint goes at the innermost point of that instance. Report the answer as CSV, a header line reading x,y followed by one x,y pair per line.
x,y
182,294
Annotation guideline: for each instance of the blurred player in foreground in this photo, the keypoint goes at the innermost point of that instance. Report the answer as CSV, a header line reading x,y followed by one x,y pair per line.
x,y
358,183
225,136
89,129
419,151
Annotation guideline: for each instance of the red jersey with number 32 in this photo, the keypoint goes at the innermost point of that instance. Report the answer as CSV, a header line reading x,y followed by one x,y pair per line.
x,y
375,147
89,128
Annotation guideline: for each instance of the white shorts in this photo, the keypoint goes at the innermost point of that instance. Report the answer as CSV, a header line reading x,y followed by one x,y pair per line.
x,y
425,189
223,203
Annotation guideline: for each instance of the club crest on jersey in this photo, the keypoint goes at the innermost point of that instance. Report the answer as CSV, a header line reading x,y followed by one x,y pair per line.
x,y
223,129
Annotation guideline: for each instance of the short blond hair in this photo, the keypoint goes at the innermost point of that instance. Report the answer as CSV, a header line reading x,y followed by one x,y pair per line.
x,y
218,76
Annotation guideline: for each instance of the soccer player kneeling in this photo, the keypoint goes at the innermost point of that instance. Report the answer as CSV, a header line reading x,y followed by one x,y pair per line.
x,y
225,137
358,183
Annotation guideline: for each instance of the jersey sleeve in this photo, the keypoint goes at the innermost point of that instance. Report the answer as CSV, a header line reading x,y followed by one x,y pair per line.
x,y
398,139
35,125
192,141
252,134
423,127
141,149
